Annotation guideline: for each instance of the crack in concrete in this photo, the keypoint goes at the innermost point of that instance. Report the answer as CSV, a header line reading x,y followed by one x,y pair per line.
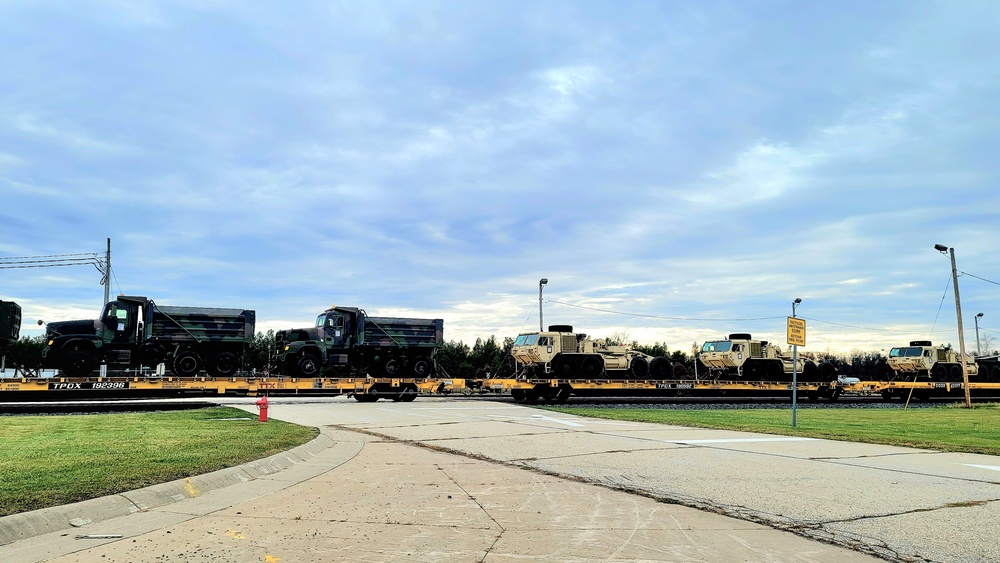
x,y
481,507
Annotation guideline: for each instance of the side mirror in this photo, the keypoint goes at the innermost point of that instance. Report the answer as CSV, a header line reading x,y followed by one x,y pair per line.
x,y
110,322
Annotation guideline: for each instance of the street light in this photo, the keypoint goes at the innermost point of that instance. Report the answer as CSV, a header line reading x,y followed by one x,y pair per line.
x,y
979,351
541,284
958,313
795,368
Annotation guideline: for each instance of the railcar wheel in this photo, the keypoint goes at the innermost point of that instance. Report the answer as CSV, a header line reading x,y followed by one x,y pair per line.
x,y
518,395
562,395
308,365
187,363
365,398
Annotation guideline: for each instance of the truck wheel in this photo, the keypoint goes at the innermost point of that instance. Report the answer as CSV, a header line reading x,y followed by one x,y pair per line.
x,y
393,367
187,363
308,365
421,367
79,362
224,365
639,368
592,368
562,367
659,368
151,354
939,372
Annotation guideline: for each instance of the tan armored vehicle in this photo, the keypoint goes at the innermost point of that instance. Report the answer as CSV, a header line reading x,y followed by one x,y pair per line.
x,y
742,357
563,354
921,359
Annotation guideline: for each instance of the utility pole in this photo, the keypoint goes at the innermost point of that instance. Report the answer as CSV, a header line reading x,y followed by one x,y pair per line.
x,y
958,312
541,284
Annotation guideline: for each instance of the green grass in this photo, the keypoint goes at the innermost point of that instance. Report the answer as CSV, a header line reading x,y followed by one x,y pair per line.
x,y
53,460
950,429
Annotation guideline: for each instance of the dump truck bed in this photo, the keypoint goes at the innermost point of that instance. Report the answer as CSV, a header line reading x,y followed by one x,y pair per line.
x,y
403,332
202,323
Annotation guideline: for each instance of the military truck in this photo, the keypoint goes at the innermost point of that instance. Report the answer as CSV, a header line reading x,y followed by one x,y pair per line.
x,y
347,340
741,357
922,360
564,354
10,324
134,332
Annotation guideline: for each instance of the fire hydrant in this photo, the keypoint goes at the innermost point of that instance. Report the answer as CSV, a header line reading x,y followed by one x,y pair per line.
x,y
262,405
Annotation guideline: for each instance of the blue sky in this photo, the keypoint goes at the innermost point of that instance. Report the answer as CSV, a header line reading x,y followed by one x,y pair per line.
x,y
677,170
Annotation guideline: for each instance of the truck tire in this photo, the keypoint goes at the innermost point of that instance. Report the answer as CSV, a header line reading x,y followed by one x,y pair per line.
x,y
308,365
80,361
421,367
660,368
393,367
562,367
638,368
224,364
939,372
151,354
187,363
592,368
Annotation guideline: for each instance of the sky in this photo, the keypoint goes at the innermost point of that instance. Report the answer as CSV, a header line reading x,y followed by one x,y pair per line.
x,y
677,170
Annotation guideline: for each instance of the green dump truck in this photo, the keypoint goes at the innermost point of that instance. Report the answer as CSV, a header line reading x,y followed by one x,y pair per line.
x,y
10,324
135,332
347,340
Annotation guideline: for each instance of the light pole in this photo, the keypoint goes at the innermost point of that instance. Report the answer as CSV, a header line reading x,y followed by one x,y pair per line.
x,y
795,368
541,284
979,351
958,313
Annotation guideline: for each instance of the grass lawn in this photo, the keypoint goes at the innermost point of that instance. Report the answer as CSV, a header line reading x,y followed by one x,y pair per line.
x,y
53,460
947,428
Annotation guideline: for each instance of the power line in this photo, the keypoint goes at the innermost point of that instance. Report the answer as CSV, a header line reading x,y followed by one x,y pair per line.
x,y
979,278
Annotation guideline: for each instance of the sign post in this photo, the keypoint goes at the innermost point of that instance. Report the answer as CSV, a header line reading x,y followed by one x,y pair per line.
x,y
796,337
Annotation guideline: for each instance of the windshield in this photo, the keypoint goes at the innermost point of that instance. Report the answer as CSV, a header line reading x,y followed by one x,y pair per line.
x,y
526,339
908,352
320,320
722,346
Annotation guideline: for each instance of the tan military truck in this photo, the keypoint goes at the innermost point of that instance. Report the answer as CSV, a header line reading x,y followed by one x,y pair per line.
x,y
922,360
563,354
741,357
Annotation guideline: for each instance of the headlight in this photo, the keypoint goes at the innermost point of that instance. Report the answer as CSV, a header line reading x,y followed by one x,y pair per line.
x,y
286,348
51,342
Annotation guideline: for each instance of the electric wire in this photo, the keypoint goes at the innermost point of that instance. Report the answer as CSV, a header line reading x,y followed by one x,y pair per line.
x,y
979,278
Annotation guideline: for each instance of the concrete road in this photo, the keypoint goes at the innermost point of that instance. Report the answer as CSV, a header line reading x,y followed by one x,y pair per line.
x,y
460,480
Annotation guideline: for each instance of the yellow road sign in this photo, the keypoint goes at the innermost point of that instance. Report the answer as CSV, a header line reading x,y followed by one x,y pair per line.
x,y
796,331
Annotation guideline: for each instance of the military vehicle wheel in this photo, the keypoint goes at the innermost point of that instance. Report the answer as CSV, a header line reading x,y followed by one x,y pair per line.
x,y
775,371
187,363
827,372
562,367
996,374
955,373
392,367
809,371
308,365
592,367
660,368
224,364
151,354
939,372
751,371
79,362
638,368
421,367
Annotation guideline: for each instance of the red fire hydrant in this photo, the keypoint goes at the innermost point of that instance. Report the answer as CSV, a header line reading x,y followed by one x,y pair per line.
x,y
262,405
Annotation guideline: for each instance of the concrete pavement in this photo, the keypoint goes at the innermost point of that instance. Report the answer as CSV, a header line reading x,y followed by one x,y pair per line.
x,y
453,480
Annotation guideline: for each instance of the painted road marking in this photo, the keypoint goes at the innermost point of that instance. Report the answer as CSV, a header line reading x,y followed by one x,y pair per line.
x,y
739,440
990,467
557,420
